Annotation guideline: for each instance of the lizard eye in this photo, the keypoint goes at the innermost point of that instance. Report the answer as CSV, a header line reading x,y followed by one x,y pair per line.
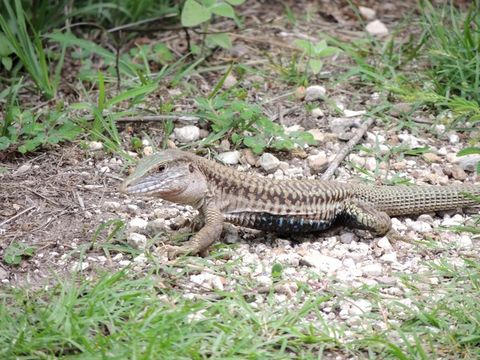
x,y
190,168
161,168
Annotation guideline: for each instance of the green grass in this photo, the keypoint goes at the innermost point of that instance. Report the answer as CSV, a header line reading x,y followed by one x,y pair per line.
x,y
131,315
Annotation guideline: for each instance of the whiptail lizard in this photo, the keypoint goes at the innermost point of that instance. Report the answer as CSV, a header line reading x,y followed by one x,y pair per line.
x,y
223,194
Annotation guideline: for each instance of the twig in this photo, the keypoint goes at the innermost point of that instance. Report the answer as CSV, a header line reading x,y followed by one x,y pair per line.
x,y
18,215
346,149
284,112
80,200
151,118
42,196
265,41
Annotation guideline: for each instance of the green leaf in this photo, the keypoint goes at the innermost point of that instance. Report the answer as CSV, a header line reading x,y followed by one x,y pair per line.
x,y
235,2
256,143
329,51
315,65
15,251
222,40
4,143
320,46
5,49
69,131
68,39
223,9
163,54
277,270
7,63
132,93
469,151
304,45
194,14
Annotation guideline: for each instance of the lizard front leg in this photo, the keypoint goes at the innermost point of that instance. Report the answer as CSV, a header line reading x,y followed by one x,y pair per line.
x,y
204,238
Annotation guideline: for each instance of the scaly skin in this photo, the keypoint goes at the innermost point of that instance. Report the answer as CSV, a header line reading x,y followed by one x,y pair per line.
x,y
224,194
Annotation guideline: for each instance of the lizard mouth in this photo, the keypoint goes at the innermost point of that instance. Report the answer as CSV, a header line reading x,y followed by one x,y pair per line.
x,y
147,185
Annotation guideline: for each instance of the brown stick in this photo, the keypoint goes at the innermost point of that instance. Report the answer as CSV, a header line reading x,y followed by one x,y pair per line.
x,y
346,149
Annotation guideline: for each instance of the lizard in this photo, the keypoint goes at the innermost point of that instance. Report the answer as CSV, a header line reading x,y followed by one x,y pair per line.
x,y
223,194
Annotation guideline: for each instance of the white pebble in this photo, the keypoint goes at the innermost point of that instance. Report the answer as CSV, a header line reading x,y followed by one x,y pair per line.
x,y
314,92
229,157
187,133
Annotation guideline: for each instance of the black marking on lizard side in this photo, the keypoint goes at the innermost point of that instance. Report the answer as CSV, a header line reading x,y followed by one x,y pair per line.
x,y
278,223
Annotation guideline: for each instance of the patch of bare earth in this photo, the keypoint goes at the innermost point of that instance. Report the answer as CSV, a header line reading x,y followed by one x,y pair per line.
x,y
53,202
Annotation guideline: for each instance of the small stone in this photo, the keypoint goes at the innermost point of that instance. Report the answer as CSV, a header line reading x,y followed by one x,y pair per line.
x,y
360,306
347,238
409,140
124,262
352,113
133,209
138,241
318,162
138,224
465,242
268,162
22,169
318,135
94,145
384,243
300,93
111,205
389,257
229,157
187,133
453,221
322,262
249,157
367,13
431,157
208,280
419,226
240,50
148,150
166,213
372,269
468,162
224,145
79,266
140,259
118,257
3,274
453,138
401,108
157,226
426,218
317,113
314,92
377,28
458,173
230,81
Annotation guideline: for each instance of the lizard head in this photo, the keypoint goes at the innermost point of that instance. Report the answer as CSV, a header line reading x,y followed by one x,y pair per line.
x,y
170,175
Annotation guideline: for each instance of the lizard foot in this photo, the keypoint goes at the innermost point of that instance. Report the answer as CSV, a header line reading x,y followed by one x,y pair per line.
x,y
395,237
173,252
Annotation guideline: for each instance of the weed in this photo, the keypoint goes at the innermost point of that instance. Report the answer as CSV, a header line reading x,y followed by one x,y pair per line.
x,y
453,40
29,49
195,13
16,251
245,124
27,132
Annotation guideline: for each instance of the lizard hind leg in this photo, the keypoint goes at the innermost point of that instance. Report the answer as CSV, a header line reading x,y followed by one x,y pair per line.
x,y
358,214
